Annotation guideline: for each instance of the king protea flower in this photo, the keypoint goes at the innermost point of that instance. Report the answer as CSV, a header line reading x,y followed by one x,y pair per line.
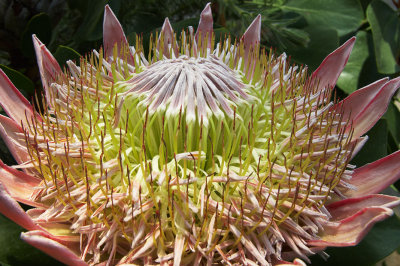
x,y
193,153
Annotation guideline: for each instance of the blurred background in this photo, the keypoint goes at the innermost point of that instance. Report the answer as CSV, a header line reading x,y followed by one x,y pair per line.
x,y
306,30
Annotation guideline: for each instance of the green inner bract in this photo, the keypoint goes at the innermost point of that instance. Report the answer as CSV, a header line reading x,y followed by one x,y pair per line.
x,y
135,177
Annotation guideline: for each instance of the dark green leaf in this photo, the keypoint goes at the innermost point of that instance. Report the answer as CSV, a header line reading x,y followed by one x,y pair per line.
x,y
365,3
65,53
369,72
184,24
381,241
5,154
376,146
385,25
138,23
115,5
4,58
91,28
343,15
23,84
16,252
39,25
322,42
348,80
77,4
392,117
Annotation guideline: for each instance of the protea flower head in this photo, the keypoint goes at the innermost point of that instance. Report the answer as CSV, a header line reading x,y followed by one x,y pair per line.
x,y
193,153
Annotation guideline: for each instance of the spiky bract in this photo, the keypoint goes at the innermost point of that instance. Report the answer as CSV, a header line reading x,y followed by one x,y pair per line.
x,y
218,154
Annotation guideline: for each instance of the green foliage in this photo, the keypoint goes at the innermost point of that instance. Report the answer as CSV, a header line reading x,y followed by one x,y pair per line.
x,y
65,53
348,81
39,25
90,29
343,15
385,26
15,252
23,83
323,40
376,146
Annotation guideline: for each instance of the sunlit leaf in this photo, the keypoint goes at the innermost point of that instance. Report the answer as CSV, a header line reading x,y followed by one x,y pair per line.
x,y
385,25
348,80
392,116
343,15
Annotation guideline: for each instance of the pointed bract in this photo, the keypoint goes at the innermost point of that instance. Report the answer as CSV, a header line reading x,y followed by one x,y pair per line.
x,y
48,65
19,184
350,231
13,102
11,209
11,133
345,208
357,101
56,250
329,71
375,177
251,38
113,34
169,40
205,27
373,111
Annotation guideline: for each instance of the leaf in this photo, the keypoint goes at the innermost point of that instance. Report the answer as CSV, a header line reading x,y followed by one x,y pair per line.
x,y
5,154
141,22
376,146
40,25
381,241
385,26
16,252
369,72
322,41
65,53
392,116
22,82
91,27
343,15
365,3
348,80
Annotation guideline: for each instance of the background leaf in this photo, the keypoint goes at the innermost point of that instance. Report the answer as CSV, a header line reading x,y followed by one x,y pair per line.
x,y
21,82
376,146
91,27
323,40
65,53
385,25
19,253
348,80
41,26
392,116
343,15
